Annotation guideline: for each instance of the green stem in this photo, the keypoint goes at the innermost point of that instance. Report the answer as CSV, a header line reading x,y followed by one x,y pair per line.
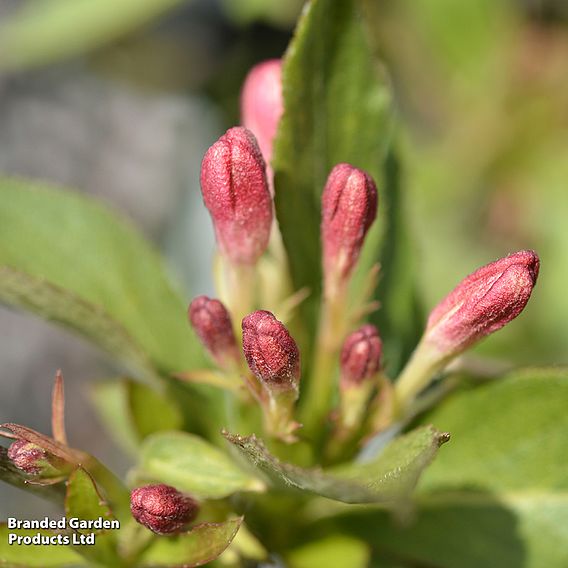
x,y
319,390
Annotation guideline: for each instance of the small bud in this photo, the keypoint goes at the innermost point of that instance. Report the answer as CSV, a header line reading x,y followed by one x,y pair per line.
x,y
34,460
212,323
162,508
483,302
235,190
261,103
360,356
349,207
271,352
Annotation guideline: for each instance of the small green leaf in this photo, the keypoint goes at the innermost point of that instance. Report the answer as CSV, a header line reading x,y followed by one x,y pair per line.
x,y
389,478
331,552
49,30
200,545
191,464
69,259
497,497
22,556
337,108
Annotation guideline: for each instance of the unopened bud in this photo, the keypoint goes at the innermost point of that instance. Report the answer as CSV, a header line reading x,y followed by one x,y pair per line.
x,y
261,103
162,508
360,356
483,302
34,460
349,207
235,190
271,352
212,323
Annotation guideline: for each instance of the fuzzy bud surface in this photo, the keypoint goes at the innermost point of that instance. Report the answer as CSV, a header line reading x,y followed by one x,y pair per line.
x,y
34,460
483,302
212,323
162,508
349,207
271,352
360,356
235,191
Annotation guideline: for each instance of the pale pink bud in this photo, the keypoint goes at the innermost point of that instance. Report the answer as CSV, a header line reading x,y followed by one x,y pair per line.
x,y
483,302
162,508
235,190
261,103
271,352
212,323
349,207
360,356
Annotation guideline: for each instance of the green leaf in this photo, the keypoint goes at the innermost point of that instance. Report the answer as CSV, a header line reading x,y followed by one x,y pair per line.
x,y
83,501
68,258
389,478
498,496
200,545
49,30
331,552
131,411
22,556
193,465
337,108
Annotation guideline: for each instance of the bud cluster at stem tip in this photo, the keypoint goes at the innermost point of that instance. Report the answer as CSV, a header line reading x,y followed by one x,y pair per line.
x,y
349,207
360,356
271,352
34,460
235,191
212,323
162,508
483,302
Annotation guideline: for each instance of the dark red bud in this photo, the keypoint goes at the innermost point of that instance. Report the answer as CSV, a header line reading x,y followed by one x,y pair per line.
x,y
483,302
34,460
261,103
271,352
349,207
235,190
212,323
162,508
360,356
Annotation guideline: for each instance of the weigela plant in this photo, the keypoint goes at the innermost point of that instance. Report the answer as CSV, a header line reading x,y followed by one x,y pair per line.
x,y
291,434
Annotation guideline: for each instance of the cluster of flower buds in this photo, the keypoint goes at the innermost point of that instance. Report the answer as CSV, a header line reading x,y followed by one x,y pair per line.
x,y
162,508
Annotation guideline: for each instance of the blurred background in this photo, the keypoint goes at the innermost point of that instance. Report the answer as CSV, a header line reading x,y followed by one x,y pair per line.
x,y
121,99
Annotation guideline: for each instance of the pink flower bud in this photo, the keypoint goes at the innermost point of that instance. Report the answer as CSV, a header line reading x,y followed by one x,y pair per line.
x,y
349,207
483,302
271,352
162,508
360,356
261,103
212,323
235,190
34,460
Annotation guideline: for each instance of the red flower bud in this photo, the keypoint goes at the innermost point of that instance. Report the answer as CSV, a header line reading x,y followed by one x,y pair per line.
x,y
261,103
162,508
483,302
349,207
360,356
235,190
271,352
34,460
212,323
